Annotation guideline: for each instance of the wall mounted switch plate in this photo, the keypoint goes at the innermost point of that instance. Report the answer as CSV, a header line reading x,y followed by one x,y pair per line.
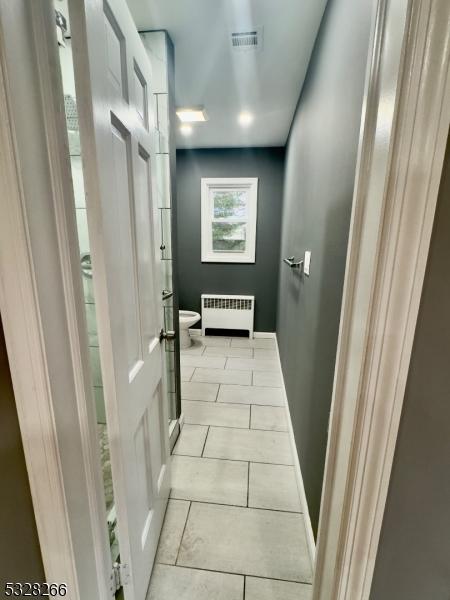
x,y
307,263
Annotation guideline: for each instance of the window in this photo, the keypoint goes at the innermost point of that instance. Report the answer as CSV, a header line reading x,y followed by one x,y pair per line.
x,y
229,219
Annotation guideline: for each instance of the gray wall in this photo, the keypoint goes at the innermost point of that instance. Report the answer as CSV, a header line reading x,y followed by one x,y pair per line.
x,y
259,279
320,169
20,557
413,559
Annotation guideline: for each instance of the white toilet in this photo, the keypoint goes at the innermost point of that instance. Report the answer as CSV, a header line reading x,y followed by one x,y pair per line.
x,y
187,319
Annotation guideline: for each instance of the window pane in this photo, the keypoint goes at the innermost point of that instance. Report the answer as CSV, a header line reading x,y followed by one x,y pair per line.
x,y
230,204
229,237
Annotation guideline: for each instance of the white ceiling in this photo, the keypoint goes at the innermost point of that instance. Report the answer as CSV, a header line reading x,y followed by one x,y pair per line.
x,y
209,73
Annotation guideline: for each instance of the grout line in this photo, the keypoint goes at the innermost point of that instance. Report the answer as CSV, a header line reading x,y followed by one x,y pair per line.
x,y
244,428
239,428
206,459
236,427
239,574
250,418
244,590
247,385
241,385
204,443
288,580
217,393
236,459
222,402
184,529
249,404
248,483
205,401
242,506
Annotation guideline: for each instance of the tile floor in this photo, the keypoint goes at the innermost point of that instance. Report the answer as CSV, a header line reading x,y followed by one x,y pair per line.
x,y
234,527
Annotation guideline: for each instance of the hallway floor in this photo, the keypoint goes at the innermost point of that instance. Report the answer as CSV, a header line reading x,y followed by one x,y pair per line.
x,y
233,528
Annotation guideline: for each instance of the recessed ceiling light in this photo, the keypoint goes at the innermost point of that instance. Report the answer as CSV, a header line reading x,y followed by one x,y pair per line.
x,y
245,118
192,115
186,129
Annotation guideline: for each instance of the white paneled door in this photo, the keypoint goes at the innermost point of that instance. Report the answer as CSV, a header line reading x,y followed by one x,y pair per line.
x,y
113,77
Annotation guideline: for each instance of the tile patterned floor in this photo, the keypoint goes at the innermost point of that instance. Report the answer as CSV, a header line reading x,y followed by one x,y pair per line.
x,y
234,527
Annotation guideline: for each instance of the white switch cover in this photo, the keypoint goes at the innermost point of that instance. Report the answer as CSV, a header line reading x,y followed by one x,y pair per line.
x,y
307,262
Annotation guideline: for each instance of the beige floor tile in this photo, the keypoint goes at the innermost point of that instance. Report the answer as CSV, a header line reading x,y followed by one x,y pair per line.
x,y
228,351
214,413
176,583
265,353
267,343
273,487
186,373
196,349
244,394
174,522
191,440
272,418
209,362
253,364
222,376
247,541
215,340
192,390
271,589
209,480
267,379
248,444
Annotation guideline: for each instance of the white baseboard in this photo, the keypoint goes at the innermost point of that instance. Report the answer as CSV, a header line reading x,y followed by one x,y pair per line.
x,y
256,334
298,473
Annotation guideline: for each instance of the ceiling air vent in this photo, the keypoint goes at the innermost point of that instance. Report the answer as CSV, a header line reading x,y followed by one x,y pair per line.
x,y
250,39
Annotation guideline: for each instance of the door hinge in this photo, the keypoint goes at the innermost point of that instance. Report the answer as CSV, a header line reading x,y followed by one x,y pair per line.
x,y
120,576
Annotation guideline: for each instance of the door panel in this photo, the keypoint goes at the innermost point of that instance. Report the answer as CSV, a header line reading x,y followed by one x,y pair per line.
x,y
147,272
113,79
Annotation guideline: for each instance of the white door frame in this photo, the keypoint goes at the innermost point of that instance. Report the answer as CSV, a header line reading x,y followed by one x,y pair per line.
x,y
404,132
42,306
403,136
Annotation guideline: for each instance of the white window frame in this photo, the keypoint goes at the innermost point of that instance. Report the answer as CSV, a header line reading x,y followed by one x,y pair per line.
x,y
211,183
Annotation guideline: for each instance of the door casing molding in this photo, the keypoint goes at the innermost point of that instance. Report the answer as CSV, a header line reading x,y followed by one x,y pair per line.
x,y
404,131
42,307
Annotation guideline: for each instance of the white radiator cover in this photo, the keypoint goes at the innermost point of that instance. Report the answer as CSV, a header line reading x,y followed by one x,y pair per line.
x,y
228,312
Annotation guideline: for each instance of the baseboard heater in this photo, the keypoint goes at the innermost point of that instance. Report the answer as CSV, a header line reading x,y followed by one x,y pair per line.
x,y
228,312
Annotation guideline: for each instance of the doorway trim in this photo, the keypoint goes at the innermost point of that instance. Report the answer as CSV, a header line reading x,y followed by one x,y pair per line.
x,y
42,307
404,130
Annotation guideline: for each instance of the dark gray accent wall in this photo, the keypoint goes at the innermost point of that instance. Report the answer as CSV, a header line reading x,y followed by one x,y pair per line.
x,y
20,556
259,279
413,560
320,169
